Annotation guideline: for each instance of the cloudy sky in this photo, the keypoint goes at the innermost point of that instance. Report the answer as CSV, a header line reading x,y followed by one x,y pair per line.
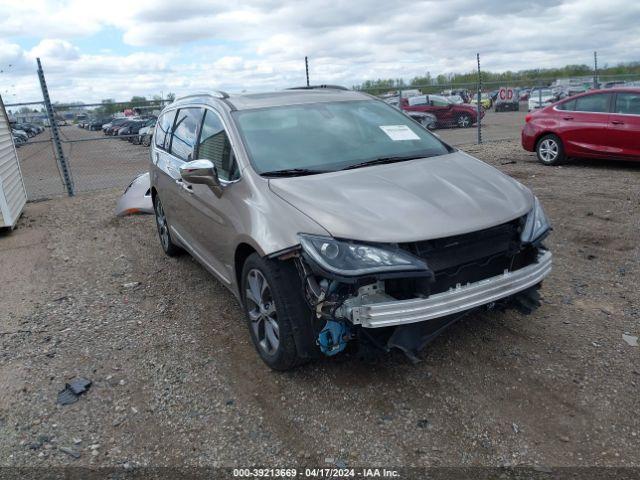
x,y
97,49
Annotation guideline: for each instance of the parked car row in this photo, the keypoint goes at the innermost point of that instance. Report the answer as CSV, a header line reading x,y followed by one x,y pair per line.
x,y
22,132
137,130
93,124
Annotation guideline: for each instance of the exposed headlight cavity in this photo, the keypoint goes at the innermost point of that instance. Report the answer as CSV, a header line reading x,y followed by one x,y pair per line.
x,y
351,259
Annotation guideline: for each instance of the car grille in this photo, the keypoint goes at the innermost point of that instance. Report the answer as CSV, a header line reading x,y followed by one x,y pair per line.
x,y
471,257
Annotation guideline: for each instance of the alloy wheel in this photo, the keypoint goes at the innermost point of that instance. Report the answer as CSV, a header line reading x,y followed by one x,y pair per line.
x,y
262,312
161,222
464,121
548,150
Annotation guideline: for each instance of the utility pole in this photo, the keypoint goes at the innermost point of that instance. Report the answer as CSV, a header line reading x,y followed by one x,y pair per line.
x,y
55,135
306,66
479,98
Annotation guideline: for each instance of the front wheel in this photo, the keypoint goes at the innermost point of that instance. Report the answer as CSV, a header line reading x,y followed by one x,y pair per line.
x,y
549,150
464,120
273,305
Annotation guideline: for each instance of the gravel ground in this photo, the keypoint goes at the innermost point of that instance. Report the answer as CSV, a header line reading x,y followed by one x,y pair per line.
x,y
177,382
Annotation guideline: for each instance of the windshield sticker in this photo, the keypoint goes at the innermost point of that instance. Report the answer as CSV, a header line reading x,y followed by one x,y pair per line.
x,y
399,132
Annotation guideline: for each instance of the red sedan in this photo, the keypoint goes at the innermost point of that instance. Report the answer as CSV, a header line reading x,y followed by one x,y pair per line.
x,y
449,114
596,124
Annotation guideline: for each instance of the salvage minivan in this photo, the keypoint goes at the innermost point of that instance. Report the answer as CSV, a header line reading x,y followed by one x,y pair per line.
x,y
335,218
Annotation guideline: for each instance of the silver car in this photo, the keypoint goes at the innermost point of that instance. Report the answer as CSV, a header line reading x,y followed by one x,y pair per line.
x,y
335,219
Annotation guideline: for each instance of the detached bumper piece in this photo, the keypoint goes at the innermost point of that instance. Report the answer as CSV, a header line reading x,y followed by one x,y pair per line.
x,y
455,300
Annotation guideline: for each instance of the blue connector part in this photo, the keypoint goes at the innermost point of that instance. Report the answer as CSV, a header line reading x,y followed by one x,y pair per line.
x,y
334,337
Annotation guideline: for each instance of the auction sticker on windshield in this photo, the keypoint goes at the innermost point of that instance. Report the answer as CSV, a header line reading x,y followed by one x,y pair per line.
x,y
399,132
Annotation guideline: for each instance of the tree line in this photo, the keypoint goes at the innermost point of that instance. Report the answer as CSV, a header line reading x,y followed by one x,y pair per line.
x,y
529,77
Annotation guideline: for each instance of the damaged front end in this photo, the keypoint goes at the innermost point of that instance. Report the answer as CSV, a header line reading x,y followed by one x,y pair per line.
x,y
404,295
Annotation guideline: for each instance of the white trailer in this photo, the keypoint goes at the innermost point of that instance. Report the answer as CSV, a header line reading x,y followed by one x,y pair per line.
x,y
13,195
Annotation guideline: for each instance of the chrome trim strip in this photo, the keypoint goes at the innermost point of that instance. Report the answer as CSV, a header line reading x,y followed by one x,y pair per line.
x,y
463,297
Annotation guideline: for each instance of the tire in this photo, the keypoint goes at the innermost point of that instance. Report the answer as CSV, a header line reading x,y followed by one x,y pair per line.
x,y
273,310
464,120
170,248
146,140
550,150
429,125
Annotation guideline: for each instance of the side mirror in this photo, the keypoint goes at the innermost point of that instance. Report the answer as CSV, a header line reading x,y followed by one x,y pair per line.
x,y
203,172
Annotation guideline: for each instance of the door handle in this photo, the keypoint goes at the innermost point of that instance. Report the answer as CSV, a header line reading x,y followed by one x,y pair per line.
x,y
187,188
567,118
617,122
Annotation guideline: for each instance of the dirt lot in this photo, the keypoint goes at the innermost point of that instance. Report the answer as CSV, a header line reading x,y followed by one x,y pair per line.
x,y
176,380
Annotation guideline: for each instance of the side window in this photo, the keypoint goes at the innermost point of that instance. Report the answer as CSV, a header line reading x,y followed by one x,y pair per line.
x,y
184,133
593,103
628,103
163,128
570,105
215,146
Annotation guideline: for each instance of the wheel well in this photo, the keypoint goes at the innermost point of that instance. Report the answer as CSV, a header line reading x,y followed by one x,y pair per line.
x,y
153,195
541,136
242,253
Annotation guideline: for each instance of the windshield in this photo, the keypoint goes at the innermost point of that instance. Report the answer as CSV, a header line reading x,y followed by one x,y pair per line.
x,y
331,136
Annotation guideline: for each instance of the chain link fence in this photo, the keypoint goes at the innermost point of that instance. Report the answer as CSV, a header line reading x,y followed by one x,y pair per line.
x,y
96,158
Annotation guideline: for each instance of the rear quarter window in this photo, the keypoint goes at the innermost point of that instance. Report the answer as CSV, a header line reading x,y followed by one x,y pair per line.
x,y
628,103
598,103
570,105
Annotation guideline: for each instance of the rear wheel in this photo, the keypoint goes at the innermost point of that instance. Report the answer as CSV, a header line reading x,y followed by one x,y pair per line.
x,y
464,120
146,140
272,306
549,150
167,244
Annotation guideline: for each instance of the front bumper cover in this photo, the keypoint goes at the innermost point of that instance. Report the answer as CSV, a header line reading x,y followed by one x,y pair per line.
x,y
459,299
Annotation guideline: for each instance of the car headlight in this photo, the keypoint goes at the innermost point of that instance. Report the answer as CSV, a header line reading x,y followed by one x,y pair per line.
x,y
351,258
536,225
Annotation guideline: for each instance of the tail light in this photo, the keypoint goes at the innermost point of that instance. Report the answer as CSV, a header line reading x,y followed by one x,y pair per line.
x,y
528,117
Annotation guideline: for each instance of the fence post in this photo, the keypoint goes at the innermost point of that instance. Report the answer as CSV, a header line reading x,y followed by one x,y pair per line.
x,y
306,67
595,70
479,98
55,135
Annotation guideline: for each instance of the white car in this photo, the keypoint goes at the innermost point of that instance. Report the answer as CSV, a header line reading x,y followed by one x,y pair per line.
x,y
540,98
145,134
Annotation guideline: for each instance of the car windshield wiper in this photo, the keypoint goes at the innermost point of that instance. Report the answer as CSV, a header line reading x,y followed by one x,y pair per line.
x,y
384,160
292,172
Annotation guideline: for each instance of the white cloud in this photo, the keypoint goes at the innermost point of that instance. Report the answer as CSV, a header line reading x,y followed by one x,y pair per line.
x,y
260,44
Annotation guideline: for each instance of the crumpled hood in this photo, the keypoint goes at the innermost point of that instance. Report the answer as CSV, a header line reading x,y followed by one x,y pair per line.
x,y
408,201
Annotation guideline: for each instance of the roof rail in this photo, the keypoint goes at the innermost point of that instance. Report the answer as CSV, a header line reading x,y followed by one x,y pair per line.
x,y
315,87
211,93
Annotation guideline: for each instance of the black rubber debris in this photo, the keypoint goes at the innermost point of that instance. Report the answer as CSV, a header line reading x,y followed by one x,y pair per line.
x,y
73,390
